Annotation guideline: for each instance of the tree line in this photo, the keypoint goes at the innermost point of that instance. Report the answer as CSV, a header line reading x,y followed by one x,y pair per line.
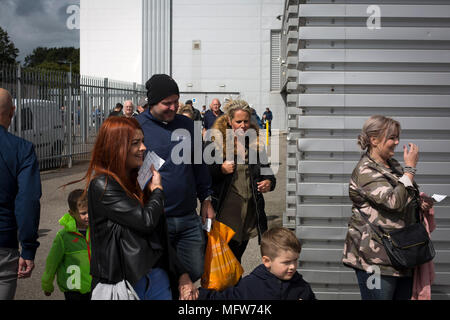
x,y
56,59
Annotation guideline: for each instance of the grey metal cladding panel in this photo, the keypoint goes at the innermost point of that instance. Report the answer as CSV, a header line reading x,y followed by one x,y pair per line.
x,y
374,55
374,78
347,122
385,33
323,189
324,210
387,11
321,233
340,211
374,100
321,255
335,255
346,167
349,277
330,277
341,189
318,217
339,233
349,145
337,295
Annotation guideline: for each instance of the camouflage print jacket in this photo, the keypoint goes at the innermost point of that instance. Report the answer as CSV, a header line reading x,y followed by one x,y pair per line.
x,y
389,200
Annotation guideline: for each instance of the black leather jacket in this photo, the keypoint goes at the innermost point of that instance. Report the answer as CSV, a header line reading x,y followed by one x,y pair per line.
x,y
128,239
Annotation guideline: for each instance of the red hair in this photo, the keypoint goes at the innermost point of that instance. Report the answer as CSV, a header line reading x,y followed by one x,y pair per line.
x,y
110,153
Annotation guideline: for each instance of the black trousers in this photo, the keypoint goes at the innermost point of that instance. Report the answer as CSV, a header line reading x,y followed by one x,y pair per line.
x,y
77,296
238,248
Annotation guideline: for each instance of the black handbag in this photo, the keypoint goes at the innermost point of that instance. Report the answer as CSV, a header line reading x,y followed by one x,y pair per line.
x,y
407,247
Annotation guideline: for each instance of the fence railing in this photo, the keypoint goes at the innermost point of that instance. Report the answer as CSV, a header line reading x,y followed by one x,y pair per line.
x,y
61,113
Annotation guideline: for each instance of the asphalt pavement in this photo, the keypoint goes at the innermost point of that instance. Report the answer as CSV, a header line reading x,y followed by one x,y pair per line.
x,y
54,206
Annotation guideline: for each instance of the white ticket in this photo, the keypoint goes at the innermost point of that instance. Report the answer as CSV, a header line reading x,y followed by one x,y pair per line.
x,y
438,197
145,174
207,225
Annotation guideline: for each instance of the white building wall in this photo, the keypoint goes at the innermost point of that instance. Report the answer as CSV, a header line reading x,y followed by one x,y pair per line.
x,y
234,54
235,50
111,39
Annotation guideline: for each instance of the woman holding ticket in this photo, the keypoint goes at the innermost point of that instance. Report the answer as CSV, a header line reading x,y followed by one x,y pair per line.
x,y
244,176
128,226
384,194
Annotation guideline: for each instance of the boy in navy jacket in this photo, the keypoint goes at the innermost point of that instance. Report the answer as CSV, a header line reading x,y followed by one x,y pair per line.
x,y
276,278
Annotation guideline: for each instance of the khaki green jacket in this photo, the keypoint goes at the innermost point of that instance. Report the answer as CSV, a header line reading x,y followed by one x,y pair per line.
x,y
388,198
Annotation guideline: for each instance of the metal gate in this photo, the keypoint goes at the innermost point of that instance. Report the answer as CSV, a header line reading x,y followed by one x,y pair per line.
x,y
343,63
61,113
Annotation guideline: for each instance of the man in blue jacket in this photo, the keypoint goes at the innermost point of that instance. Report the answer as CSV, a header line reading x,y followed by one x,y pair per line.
x,y
183,181
267,116
20,185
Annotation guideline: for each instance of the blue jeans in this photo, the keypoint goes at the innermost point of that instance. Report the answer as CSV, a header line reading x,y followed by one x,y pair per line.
x,y
154,286
188,239
391,288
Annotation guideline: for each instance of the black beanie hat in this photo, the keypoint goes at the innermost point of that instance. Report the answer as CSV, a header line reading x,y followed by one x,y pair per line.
x,y
159,87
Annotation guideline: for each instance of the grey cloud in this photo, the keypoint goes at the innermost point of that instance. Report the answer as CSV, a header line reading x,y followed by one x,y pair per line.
x,y
26,8
38,23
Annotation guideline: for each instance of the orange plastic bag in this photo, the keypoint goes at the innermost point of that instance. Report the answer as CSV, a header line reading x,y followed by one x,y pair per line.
x,y
222,270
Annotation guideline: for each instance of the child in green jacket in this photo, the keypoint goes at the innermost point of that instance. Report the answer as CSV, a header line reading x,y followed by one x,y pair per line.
x,y
69,257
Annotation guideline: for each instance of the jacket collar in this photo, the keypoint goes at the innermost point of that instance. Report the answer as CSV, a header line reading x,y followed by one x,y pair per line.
x,y
69,223
264,274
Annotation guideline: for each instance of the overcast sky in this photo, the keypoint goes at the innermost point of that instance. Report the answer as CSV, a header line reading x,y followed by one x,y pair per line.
x,y
34,23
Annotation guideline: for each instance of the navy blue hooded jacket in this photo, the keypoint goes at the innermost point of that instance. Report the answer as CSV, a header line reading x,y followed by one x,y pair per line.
x,y
184,182
20,185
263,285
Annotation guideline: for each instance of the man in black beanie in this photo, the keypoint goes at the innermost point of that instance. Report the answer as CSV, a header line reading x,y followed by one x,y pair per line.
x,y
182,182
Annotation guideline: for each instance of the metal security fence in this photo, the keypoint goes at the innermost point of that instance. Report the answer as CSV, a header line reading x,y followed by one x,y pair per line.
x,y
340,68
60,112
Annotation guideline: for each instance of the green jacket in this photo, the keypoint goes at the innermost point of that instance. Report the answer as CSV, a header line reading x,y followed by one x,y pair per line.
x,y
69,259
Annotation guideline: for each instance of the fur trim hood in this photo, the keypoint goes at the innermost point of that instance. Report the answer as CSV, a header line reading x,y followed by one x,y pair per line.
x,y
222,124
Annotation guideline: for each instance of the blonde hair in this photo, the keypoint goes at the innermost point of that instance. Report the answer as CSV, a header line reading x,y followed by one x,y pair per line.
x,y
186,109
232,106
223,122
377,126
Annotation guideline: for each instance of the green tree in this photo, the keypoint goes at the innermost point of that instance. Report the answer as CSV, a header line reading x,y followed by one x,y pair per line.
x,y
54,59
8,51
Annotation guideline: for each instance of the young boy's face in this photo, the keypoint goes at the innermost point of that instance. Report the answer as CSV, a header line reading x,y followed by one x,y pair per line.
x,y
81,215
284,265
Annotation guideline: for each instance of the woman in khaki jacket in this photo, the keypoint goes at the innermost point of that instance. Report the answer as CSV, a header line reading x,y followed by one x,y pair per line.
x,y
389,197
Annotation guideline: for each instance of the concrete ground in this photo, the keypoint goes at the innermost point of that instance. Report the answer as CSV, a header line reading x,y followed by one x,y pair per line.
x,y
54,206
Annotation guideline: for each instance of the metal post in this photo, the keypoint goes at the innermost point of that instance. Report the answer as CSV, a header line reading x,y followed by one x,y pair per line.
x,y
69,124
106,98
19,101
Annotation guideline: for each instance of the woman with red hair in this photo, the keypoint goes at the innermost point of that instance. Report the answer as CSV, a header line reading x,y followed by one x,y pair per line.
x,y
128,226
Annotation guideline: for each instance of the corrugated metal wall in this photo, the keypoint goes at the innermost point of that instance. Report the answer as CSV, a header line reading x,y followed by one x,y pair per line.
x,y
156,33
275,59
338,73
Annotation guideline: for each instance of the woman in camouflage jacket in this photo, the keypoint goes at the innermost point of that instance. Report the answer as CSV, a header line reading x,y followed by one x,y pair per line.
x,y
388,196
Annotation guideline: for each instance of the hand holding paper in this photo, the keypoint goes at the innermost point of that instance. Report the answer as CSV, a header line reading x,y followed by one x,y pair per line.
x,y
155,181
145,172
